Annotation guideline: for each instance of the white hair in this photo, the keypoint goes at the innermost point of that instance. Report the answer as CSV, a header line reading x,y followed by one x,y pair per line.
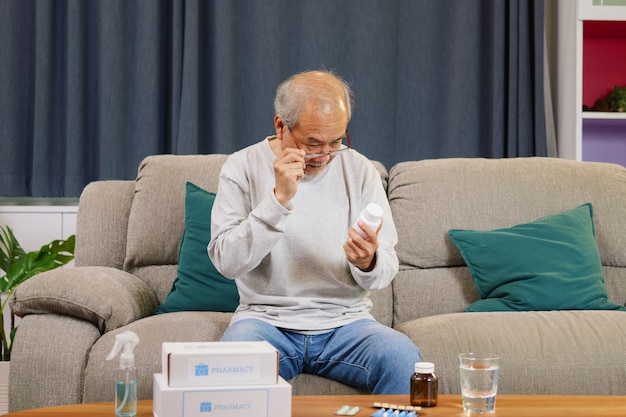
x,y
322,88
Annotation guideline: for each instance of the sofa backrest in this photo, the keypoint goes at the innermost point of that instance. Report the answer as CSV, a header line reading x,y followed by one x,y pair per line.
x,y
430,197
157,216
137,225
102,223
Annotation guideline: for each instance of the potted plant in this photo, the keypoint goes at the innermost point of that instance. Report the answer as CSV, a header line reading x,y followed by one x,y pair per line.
x,y
617,99
16,266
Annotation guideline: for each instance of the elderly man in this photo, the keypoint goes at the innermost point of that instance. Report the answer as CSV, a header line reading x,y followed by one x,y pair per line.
x,y
281,227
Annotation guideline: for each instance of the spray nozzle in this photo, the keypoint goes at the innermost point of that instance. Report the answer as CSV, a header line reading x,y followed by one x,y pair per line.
x,y
128,340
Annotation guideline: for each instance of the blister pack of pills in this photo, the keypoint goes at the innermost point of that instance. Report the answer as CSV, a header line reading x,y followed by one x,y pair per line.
x,y
394,410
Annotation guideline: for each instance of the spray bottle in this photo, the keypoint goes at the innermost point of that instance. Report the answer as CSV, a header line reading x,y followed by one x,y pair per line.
x,y
126,380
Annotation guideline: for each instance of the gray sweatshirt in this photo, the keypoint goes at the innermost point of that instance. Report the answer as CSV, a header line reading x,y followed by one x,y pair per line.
x,y
289,263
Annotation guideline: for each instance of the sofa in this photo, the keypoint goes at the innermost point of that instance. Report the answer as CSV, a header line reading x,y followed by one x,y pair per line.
x,y
127,247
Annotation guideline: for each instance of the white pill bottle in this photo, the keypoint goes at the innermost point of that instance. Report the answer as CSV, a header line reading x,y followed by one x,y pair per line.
x,y
372,215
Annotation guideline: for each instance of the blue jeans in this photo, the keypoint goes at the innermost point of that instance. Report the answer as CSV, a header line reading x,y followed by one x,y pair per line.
x,y
363,354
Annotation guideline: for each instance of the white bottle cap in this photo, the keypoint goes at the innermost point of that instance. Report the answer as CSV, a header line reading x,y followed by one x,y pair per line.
x,y
424,367
373,212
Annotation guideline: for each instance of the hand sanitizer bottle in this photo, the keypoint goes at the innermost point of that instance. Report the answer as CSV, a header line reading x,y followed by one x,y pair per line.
x,y
126,380
372,216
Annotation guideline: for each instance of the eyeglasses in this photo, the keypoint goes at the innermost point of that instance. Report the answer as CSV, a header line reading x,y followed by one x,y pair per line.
x,y
313,148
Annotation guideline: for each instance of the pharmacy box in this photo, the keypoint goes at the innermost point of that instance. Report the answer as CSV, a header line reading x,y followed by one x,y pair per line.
x,y
273,400
220,363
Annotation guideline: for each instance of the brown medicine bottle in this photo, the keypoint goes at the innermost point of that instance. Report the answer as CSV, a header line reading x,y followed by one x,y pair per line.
x,y
424,385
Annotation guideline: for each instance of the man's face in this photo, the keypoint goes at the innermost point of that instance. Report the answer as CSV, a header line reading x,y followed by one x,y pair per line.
x,y
318,133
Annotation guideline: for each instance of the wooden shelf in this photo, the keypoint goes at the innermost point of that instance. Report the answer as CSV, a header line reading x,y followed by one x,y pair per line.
x,y
610,10
604,115
601,65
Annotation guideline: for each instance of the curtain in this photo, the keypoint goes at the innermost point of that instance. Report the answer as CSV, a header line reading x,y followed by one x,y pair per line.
x,y
89,88
560,25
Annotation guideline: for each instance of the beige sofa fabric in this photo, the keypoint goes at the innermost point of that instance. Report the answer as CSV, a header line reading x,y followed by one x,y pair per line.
x,y
434,196
101,237
49,356
541,352
109,299
156,220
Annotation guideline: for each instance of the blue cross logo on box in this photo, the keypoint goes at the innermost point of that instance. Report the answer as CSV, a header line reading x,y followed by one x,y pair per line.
x,y
206,407
202,369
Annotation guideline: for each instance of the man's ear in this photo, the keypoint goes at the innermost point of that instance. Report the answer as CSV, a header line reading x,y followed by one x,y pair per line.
x,y
280,127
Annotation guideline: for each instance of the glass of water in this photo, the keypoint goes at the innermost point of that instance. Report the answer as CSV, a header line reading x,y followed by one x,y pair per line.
x,y
479,381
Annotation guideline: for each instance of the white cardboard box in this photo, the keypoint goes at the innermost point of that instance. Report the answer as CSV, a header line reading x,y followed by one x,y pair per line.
x,y
220,363
272,400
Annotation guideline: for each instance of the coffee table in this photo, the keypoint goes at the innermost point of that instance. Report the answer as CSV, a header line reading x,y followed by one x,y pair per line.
x,y
448,405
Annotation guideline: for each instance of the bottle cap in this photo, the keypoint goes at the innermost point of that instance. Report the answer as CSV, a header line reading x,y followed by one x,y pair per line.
x,y
424,367
373,212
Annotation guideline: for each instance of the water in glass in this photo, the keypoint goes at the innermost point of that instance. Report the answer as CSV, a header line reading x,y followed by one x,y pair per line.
x,y
479,385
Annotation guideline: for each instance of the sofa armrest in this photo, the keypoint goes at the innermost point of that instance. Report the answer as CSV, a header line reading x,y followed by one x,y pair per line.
x,y
106,297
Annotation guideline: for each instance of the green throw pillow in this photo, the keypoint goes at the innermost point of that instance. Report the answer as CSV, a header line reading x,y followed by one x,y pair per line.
x,y
552,263
198,286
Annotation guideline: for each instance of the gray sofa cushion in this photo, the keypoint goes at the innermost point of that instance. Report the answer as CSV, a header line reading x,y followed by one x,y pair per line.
x,y
110,299
430,197
48,361
101,234
538,349
156,221
426,292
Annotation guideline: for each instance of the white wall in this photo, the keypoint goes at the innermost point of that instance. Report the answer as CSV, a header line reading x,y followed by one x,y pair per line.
x,y
37,225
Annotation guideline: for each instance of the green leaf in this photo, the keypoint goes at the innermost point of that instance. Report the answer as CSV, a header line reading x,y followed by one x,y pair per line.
x,y
18,266
53,255
10,249
617,99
